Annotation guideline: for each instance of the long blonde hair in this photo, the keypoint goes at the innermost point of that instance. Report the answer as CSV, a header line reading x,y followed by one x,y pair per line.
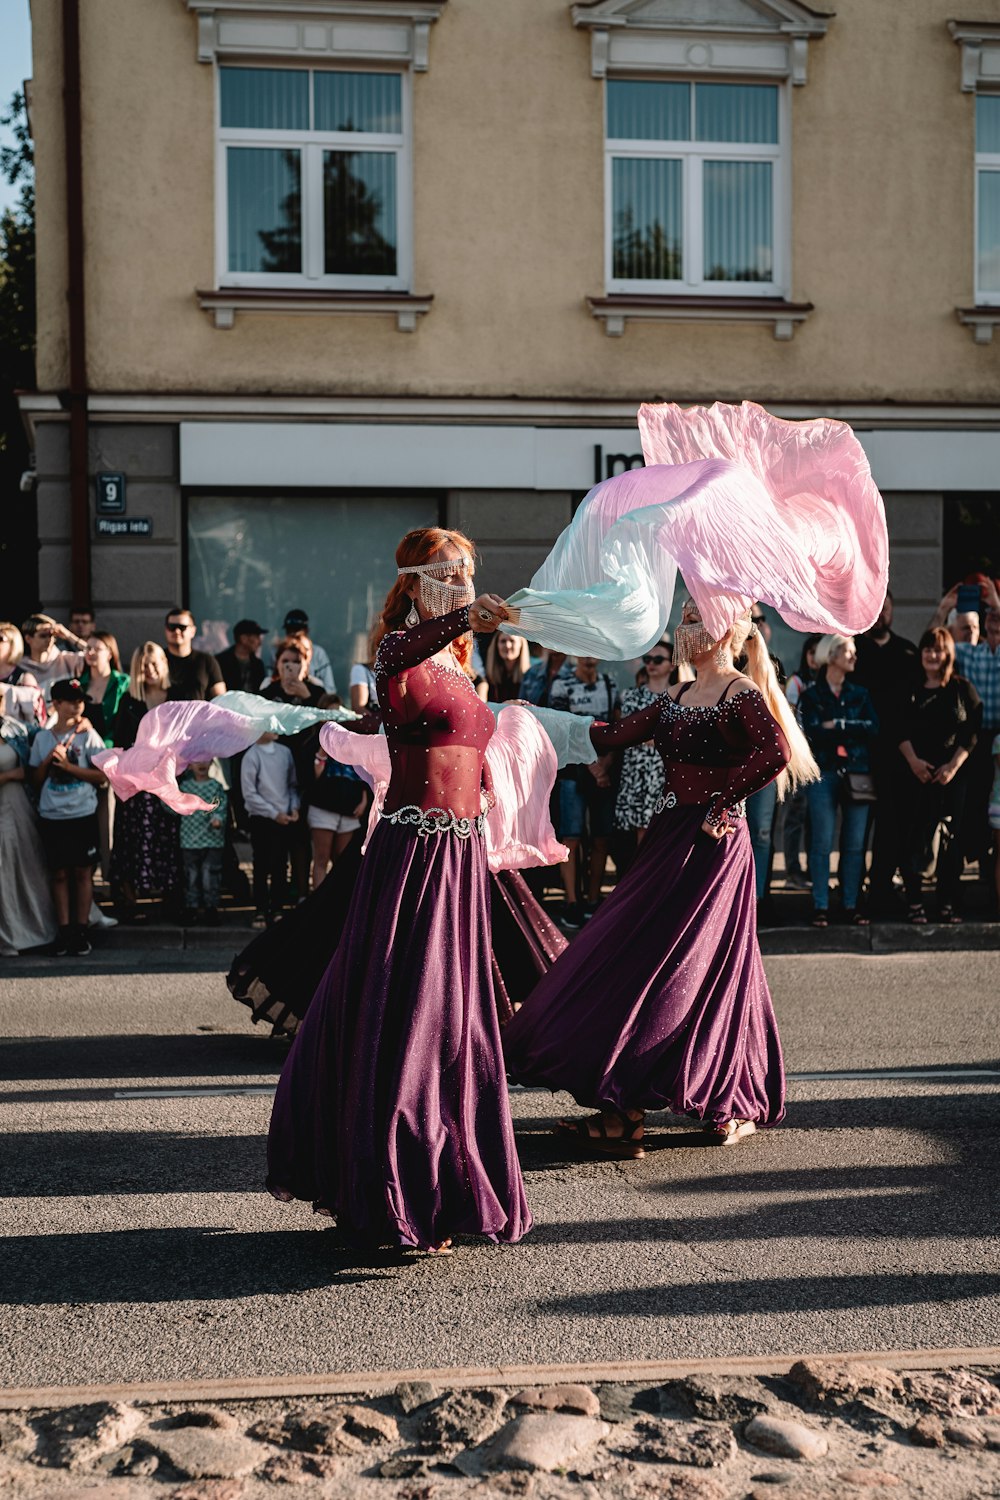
x,y
496,671
148,651
760,669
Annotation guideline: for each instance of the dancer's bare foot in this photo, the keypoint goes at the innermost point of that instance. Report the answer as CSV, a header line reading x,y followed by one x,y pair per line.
x,y
612,1132
445,1248
732,1131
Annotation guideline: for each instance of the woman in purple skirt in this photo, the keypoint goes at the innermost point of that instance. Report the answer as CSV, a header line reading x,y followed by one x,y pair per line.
x,y
661,1002
392,1112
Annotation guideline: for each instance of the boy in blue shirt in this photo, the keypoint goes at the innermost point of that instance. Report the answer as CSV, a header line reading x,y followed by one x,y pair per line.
x,y
61,759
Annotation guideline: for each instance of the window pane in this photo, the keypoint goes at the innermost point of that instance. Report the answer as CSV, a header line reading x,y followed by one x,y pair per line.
x,y
647,227
359,204
258,555
988,122
989,232
359,101
264,98
265,209
738,224
736,112
649,111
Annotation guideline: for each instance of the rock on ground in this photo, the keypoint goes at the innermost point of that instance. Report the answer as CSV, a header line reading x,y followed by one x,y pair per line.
x,y
462,1419
75,1437
569,1398
202,1453
330,1430
784,1438
714,1400
535,1442
412,1394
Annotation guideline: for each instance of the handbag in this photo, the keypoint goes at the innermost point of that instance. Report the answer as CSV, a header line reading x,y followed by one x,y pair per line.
x,y
859,786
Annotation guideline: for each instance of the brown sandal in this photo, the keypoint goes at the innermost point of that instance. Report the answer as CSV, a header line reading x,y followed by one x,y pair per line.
x,y
627,1145
732,1131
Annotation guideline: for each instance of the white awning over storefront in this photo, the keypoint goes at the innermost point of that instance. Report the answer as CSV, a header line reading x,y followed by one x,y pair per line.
x,y
394,456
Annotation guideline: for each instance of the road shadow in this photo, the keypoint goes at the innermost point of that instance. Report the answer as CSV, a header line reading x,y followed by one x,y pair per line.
x,y
182,1056
181,1265
802,1294
92,1163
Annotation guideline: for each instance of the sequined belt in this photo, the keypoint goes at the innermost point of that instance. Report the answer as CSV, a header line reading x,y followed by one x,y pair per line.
x,y
671,800
428,820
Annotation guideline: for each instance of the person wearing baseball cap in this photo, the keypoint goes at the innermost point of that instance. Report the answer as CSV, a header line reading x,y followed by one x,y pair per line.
x,y
61,761
297,623
241,666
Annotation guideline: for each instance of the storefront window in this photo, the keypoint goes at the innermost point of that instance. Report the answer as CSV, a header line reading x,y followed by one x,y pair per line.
x,y
261,556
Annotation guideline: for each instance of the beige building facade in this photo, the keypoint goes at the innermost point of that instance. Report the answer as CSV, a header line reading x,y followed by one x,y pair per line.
x,y
355,265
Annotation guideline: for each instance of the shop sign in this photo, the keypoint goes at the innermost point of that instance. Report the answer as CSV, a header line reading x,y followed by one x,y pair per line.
x,y
607,465
127,526
110,494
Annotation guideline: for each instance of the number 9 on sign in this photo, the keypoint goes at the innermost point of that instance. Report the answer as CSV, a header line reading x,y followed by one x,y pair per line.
x,y
110,494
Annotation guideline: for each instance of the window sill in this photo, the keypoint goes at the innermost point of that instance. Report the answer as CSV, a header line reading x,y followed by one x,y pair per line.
x,y
982,321
617,309
223,305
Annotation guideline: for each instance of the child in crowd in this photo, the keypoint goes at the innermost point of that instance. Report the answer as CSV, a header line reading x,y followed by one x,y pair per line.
x,y
271,797
61,758
337,801
203,838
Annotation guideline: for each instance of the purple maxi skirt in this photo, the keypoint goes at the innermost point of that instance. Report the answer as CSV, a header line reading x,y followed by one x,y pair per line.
x,y
392,1110
662,1002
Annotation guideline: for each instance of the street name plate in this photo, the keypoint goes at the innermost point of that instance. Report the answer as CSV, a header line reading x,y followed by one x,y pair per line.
x,y
126,526
110,494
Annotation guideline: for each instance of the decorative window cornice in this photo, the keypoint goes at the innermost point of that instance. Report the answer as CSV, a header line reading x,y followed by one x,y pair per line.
x,y
981,320
224,305
618,309
764,38
384,31
980,44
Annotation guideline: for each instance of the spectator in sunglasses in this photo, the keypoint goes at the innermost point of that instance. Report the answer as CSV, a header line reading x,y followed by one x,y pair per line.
x,y
194,675
43,658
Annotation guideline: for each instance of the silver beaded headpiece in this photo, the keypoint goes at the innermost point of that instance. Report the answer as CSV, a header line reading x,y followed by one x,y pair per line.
x,y
438,597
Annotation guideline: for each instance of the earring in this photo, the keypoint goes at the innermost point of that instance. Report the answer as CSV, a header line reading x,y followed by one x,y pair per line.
x,y
722,660
412,618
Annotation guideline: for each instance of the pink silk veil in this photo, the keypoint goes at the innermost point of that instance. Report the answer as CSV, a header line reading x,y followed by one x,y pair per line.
x,y
174,735
747,506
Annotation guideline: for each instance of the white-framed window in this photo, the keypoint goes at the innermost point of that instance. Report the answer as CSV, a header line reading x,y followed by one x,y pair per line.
x,y
696,187
988,200
313,178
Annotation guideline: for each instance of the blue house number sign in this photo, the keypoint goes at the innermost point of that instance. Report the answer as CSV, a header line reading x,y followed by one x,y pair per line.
x,y
111,494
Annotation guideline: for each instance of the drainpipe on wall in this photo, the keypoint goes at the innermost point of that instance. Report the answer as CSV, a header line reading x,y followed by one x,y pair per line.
x,y
76,307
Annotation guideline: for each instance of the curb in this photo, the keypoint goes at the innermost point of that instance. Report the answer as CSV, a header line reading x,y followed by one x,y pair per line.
x,y
880,937
357,1382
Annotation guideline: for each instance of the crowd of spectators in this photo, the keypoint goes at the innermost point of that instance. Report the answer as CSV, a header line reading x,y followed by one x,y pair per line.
x,y
906,736
64,696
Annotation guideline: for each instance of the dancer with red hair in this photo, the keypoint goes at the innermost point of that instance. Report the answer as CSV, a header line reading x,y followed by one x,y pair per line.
x,y
392,1112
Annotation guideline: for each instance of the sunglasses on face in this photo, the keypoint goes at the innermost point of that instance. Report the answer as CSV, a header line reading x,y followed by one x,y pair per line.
x,y
173,625
650,661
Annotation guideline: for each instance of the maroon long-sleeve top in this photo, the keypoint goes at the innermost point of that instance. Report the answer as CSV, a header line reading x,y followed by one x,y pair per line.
x,y
716,755
436,724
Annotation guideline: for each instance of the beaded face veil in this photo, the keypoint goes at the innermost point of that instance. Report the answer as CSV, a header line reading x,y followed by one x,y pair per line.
x,y
437,596
691,639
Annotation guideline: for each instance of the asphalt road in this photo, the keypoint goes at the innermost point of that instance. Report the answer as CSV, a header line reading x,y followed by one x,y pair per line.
x,y
140,1245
